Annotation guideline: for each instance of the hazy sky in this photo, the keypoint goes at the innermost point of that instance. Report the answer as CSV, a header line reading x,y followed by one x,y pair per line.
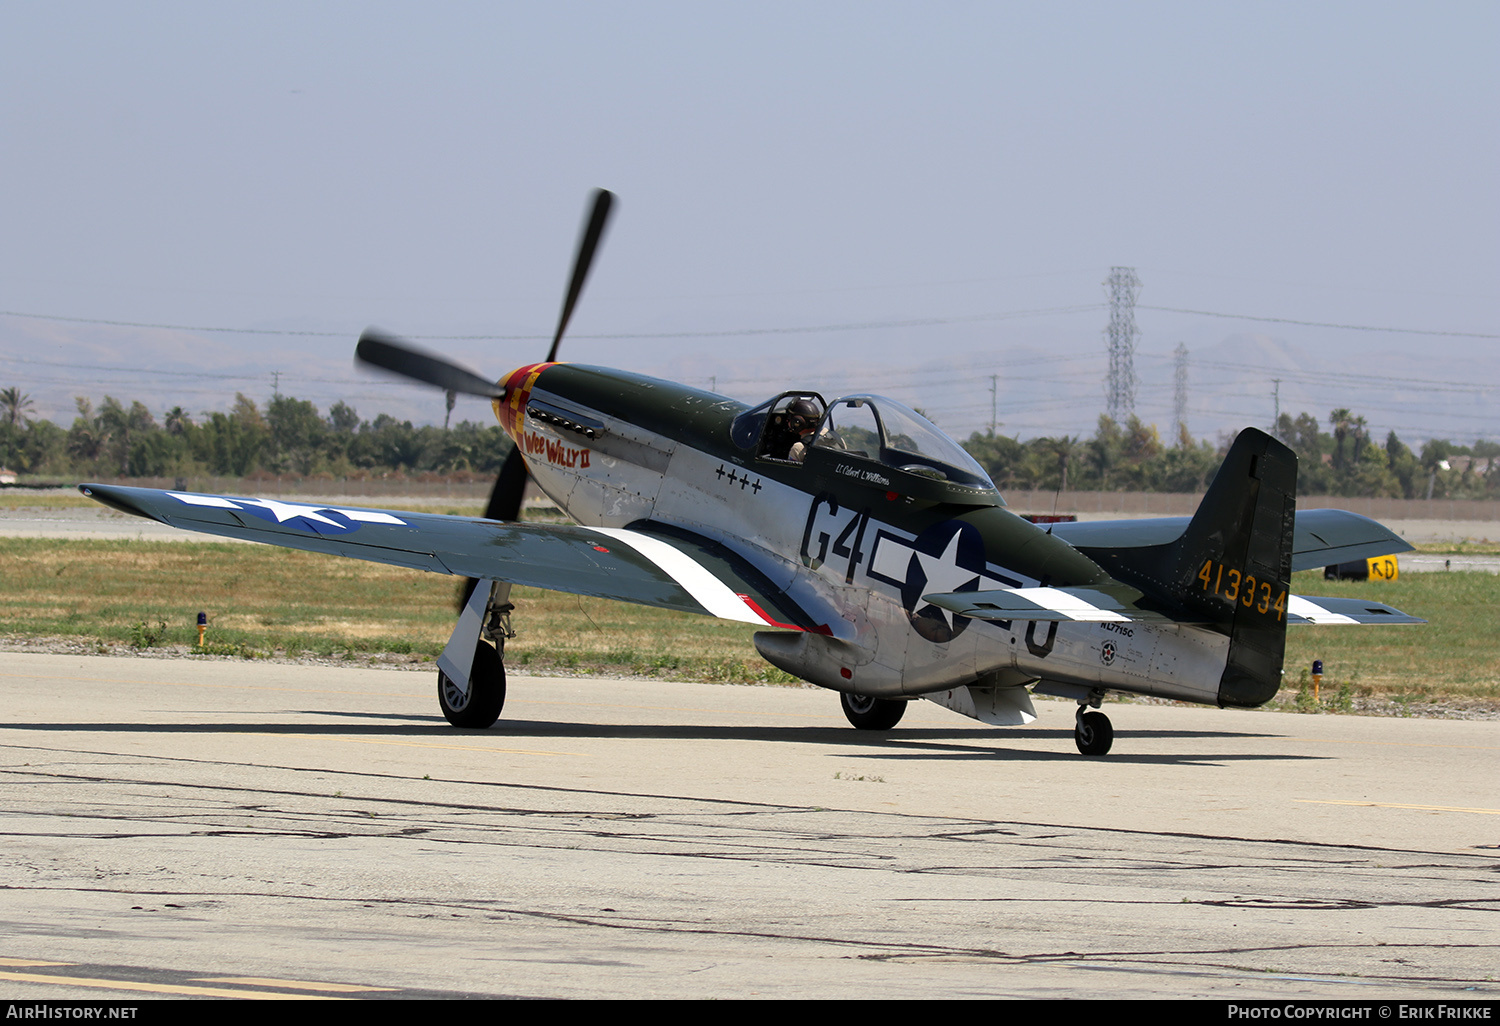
x,y
901,177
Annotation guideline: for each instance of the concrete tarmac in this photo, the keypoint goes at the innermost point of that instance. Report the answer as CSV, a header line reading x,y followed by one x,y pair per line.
x,y
199,827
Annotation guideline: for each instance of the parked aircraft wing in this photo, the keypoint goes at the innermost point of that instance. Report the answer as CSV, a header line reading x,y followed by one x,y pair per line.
x,y
670,570
1321,537
1119,605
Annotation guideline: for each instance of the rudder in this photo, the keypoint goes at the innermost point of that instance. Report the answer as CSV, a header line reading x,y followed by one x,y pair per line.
x,y
1234,562
1230,570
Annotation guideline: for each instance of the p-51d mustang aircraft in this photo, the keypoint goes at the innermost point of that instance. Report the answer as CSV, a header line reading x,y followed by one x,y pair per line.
x,y
873,551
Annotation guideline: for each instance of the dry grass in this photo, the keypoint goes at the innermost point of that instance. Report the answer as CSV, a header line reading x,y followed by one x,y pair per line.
x,y
263,600
64,498
1462,548
1452,658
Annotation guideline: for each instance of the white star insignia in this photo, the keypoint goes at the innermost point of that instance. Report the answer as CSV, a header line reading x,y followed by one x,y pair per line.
x,y
944,574
284,511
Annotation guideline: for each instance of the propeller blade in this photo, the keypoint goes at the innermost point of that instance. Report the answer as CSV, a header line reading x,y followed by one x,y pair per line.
x,y
382,351
587,243
387,353
505,504
509,490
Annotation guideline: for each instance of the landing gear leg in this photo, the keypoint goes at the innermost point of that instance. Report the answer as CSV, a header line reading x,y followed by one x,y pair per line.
x,y
1092,731
471,670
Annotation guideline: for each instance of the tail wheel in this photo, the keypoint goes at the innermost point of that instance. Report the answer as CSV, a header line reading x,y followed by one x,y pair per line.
x,y
868,713
1093,733
481,706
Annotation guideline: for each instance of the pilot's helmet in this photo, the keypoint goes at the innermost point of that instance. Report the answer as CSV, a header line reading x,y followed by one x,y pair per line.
x,y
802,416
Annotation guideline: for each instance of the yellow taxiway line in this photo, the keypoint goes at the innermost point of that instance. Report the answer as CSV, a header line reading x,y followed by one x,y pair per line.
x,y
159,988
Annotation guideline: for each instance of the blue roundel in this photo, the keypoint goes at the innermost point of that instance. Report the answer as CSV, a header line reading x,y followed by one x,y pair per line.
x,y
947,557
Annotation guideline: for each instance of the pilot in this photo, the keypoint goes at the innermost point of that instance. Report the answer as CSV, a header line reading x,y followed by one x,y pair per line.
x,y
802,418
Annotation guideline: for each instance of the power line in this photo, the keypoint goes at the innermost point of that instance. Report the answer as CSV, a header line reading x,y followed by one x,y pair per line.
x,y
917,322
1313,374
1329,377
1321,324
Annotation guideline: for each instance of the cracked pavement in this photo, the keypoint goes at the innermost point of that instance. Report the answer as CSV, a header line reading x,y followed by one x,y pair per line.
x,y
648,839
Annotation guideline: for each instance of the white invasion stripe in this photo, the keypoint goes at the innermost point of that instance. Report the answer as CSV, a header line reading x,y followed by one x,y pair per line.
x,y
369,516
708,590
204,500
1071,605
1313,613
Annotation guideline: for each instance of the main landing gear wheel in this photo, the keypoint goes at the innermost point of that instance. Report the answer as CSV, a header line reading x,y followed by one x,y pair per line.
x,y
481,706
1093,733
872,713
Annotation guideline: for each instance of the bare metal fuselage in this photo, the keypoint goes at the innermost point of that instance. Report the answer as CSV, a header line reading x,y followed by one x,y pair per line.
x,y
858,569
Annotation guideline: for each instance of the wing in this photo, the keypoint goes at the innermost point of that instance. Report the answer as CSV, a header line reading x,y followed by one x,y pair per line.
x,y
1322,537
1122,604
653,566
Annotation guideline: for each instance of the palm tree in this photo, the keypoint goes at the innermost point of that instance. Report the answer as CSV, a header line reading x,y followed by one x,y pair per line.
x,y
14,406
13,409
1063,449
1361,431
1340,420
177,421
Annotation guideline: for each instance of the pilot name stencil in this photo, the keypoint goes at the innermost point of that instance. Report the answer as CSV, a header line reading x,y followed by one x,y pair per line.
x,y
868,476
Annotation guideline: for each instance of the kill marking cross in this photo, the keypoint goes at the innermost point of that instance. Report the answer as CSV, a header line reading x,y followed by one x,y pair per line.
x,y
741,480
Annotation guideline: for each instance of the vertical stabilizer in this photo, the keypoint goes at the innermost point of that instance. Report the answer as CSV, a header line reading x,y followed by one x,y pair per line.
x,y
1232,567
1234,562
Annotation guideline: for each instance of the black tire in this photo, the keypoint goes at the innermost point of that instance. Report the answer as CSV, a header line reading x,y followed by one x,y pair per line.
x,y
868,713
486,697
1094,734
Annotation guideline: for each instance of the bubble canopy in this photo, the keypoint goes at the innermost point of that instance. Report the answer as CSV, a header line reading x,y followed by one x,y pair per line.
x,y
876,428
896,435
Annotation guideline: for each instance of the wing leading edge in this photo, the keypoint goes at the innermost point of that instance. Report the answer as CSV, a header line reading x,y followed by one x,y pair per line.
x,y
666,569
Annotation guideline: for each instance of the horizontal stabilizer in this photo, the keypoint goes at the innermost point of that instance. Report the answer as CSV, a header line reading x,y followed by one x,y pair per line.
x,y
1119,605
1321,537
1324,611
1088,605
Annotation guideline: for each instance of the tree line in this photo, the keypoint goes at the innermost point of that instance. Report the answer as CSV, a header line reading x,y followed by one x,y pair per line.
x,y
1345,460
290,436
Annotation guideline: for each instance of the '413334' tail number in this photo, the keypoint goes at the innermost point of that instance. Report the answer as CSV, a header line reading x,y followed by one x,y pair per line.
x,y
1262,596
